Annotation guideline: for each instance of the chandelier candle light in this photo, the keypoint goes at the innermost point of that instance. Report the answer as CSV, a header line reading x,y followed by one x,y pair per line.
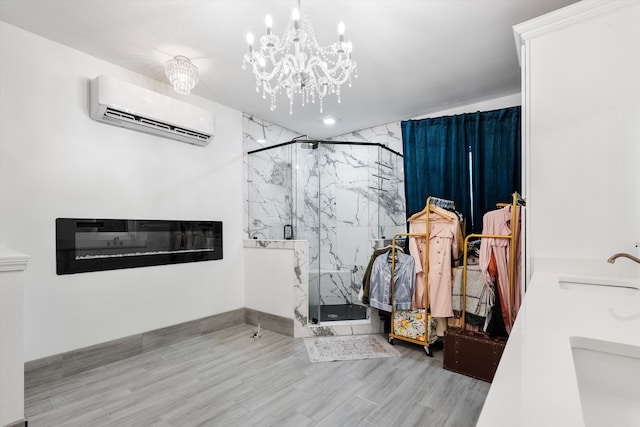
x,y
297,64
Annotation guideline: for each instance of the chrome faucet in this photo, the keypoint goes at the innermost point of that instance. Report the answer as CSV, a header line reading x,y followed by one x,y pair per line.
x,y
613,258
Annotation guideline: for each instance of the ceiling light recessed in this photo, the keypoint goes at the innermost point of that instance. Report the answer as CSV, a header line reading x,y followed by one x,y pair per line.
x,y
329,121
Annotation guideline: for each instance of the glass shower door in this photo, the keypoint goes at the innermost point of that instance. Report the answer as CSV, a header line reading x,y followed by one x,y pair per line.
x,y
306,225
344,213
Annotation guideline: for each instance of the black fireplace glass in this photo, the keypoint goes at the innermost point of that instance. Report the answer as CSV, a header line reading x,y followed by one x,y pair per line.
x,y
84,245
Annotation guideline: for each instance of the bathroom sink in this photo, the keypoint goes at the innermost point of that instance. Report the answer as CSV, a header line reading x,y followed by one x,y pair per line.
x,y
608,376
599,285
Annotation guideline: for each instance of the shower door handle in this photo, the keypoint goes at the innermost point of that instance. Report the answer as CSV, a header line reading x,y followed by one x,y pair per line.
x,y
288,232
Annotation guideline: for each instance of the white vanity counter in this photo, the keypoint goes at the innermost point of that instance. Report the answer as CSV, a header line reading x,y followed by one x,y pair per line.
x,y
536,382
586,209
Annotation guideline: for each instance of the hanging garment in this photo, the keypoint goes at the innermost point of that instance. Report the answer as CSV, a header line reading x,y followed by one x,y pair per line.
x,y
366,279
479,296
404,279
494,322
498,222
443,249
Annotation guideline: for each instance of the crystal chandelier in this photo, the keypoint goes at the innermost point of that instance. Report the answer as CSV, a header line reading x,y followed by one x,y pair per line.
x,y
297,64
182,74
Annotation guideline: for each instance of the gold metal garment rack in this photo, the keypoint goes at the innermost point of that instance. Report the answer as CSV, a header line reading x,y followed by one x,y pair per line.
x,y
512,261
392,334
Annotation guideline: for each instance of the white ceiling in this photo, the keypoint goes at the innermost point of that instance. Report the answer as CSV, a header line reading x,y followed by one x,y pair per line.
x,y
414,56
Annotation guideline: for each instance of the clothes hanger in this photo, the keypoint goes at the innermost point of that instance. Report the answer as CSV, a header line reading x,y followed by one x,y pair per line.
x,y
442,212
419,216
437,203
519,200
388,248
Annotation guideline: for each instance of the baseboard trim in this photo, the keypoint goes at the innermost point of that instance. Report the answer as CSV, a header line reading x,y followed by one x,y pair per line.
x,y
41,371
19,423
271,322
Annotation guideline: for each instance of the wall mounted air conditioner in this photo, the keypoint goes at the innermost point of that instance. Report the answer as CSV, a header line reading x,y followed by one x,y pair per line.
x,y
124,104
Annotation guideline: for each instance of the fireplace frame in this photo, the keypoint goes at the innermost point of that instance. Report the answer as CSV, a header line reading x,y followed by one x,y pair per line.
x,y
97,244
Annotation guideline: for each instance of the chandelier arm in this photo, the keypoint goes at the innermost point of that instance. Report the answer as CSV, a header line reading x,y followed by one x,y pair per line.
x,y
263,75
268,88
333,70
272,56
289,63
339,62
327,73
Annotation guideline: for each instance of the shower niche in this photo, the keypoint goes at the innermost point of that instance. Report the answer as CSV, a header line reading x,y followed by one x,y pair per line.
x,y
339,196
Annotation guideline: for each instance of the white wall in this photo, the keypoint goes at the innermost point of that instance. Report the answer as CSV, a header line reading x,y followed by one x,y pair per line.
x,y
390,134
269,280
486,105
583,132
57,162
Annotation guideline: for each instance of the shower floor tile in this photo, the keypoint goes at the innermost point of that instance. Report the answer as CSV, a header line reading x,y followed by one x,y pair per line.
x,y
332,313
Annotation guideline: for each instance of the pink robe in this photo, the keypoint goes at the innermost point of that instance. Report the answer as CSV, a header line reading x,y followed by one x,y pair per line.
x,y
498,222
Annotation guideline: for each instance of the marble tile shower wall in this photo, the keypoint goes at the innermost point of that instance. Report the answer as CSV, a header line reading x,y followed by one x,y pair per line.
x,y
270,190
391,213
361,195
390,193
359,201
270,193
389,135
307,209
258,133
274,167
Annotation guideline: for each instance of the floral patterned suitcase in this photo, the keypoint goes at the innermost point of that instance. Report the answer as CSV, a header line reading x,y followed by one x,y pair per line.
x,y
411,324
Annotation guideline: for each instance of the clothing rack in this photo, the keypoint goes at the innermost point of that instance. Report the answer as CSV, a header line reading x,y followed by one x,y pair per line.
x,y
517,200
431,201
477,354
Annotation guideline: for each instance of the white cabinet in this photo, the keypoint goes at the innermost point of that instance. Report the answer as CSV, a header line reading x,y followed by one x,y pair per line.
x,y
12,265
581,134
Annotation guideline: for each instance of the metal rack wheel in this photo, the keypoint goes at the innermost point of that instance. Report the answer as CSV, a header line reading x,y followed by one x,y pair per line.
x,y
427,350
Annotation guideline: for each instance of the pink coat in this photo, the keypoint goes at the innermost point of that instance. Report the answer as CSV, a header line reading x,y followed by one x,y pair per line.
x,y
443,248
498,222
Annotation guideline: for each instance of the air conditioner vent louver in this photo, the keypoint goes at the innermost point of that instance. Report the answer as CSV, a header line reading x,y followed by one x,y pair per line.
x,y
121,115
123,104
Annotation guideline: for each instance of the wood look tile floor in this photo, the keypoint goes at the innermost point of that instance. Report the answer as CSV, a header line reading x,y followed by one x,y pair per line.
x,y
228,378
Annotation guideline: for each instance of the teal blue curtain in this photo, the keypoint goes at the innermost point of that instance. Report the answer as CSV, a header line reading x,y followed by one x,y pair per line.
x,y
435,161
496,160
473,159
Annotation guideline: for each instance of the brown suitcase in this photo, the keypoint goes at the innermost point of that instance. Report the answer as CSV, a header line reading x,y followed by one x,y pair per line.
x,y
472,353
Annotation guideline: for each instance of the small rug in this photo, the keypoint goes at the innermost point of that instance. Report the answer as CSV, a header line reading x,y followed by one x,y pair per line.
x,y
352,347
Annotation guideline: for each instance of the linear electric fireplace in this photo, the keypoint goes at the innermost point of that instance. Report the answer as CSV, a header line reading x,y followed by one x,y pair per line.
x,y
84,245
